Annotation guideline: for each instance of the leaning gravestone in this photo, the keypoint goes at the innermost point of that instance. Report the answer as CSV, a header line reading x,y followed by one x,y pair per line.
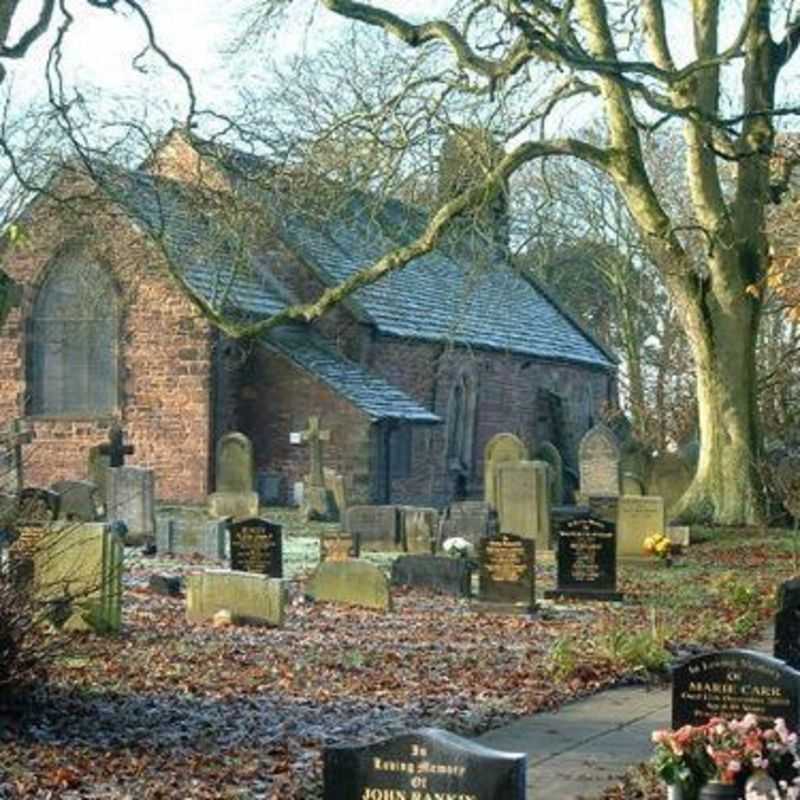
x,y
439,573
507,576
586,560
377,527
257,546
235,479
77,575
352,583
250,599
732,683
787,624
206,538
638,518
428,764
502,448
80,501
131,498
598,459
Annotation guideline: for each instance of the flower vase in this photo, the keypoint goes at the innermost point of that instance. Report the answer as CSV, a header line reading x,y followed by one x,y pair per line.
x,y
716,790
760,786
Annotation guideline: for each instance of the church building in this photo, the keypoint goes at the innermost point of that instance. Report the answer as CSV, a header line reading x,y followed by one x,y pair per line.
x,y
122,275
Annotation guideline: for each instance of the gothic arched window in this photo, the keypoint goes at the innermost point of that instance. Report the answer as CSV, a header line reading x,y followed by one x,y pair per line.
x,y
72,342
461,423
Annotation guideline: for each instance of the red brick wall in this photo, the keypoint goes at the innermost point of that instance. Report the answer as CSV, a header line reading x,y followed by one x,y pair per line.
x,y
278,398
164,361
508,387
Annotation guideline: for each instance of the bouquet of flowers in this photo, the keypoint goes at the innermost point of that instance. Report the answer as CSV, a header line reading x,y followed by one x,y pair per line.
x,y
725,751
658,545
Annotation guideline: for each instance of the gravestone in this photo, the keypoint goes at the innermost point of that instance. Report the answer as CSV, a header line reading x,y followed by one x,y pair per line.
x,y
256,546
670,476
548,453
598,460
251,599
207,538
131,498
787,624
97,467
377,527
604,507
317,502
507,575
439,573
418,528
467,519
235,478
352,583
523,500
116,449
77,576
12,438
502,448
428,764
638,518
338,547
337,489
586,560
79,501
732,683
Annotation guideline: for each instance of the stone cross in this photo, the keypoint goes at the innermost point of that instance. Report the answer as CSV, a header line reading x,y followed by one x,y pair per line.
x,y
13,437
115,449
315,437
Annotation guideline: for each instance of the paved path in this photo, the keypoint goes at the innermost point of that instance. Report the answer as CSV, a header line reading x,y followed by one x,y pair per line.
x,y
586,746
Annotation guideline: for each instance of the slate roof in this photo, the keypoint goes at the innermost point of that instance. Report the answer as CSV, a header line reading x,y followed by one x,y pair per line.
x,y
372,394
441,296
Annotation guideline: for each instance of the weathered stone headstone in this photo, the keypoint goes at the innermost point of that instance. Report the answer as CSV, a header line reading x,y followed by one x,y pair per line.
x,y
598,459
98,466
77,576
377,527
235,479
439,573
507,575
336,487
523,500
586,560
208,538
548,453
787,624
638,518
669,478
256,546
317,502
12,438
352,583
468,519
418,528
338,547
131,498
504,447
732,683
428,764
251,599
79,501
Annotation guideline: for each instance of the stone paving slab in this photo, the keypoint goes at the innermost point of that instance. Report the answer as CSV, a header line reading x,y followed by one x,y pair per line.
x,y
586,746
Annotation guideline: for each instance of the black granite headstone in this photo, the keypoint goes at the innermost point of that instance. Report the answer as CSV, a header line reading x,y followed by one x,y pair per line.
x,y
507,571
586,559
732,683
440,573
429,764
787,623
257,546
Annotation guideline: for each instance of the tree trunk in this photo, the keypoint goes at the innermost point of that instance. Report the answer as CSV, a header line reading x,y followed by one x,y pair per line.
x,y
725,489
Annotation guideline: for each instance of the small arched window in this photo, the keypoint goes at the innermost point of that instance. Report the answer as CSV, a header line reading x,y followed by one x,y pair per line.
x,y
72,342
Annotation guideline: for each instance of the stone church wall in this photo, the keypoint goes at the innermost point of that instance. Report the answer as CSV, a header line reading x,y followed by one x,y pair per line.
x,y
164,366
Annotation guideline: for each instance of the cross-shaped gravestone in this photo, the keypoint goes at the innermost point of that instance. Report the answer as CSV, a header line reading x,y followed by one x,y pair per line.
x,y
315,437
12,438
115,449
